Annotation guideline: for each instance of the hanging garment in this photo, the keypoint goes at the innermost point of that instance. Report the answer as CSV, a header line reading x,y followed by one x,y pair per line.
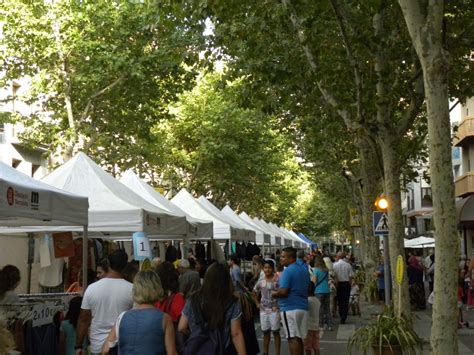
x,y
200,251
208,250
171,254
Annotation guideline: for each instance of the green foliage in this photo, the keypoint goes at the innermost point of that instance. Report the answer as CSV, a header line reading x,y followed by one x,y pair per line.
x,y
387,330
118,64
215,147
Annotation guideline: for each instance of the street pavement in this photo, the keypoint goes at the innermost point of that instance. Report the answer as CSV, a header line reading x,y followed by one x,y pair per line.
x,y
335,342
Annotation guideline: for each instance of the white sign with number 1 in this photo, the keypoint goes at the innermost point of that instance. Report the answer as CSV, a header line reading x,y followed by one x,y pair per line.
x,y
141,246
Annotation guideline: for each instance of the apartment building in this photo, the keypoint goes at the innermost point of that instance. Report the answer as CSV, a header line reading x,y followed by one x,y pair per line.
x,y
417,206
13,151
464,178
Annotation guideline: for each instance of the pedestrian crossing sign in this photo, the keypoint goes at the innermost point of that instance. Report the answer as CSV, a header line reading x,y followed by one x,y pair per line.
x,y
380,223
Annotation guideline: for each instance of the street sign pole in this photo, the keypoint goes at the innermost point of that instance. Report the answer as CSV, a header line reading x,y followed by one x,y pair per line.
x,y
386,270
399,278
380,225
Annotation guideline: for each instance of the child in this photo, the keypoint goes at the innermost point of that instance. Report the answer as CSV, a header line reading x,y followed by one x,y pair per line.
x,y
311,342
268,306
354,298
67,337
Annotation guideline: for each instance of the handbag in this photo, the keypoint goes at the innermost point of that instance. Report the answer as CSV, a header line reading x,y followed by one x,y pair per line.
x,y
320,281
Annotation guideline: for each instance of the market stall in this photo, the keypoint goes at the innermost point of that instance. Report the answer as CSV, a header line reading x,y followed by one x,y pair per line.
x,y
198,228
28,204
224,230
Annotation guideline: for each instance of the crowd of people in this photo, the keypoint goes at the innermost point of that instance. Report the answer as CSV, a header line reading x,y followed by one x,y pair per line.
x,y
191,306
194,307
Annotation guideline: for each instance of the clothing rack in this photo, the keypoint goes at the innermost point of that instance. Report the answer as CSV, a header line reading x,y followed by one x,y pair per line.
x,y
47,295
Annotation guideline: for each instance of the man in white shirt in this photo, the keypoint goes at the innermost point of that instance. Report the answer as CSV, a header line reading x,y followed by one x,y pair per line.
x,y
343,274
103,301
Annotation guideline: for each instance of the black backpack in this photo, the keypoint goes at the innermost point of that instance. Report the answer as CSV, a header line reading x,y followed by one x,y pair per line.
x,y
205,341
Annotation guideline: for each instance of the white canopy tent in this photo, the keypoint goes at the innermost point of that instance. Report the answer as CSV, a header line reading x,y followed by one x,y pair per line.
x,y
288,240
304,243
420,242
198,228
267,236
295,241
30,205
279,237
114,209
28,202
259,234
242,233
222,228
274,239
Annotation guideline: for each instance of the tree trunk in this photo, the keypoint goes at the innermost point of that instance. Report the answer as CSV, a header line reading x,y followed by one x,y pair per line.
x,y
395,219
425,21
445,318
370,189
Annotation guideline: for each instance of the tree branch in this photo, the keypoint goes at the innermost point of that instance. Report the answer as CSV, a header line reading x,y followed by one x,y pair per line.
x,y
109,87
340,17
413,17
417,98
328,97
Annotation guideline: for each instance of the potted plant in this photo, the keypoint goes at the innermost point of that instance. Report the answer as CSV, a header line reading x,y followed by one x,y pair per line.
x,y
388,335
371,291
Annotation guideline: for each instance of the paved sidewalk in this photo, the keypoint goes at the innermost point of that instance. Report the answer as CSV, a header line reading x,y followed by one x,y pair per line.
x,y
422,325
336,341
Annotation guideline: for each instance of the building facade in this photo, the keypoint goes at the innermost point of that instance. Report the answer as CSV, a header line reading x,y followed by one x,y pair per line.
x,y
32,162
464,179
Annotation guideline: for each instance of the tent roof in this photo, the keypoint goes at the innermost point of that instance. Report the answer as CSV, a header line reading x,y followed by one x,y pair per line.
x,y
244,216
222,228
419,242
297,236
307,239
113,207
276,232
201,229
229,212
28,202
243,233
289,239
264,227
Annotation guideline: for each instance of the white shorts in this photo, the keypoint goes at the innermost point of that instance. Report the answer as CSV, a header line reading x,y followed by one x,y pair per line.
x,y
270,320
295,323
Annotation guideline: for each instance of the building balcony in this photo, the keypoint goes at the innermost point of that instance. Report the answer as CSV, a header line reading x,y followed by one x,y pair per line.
x,y
465,133
464,185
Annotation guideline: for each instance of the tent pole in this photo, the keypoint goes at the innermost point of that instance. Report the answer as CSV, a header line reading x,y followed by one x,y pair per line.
x,y
85,243
31,253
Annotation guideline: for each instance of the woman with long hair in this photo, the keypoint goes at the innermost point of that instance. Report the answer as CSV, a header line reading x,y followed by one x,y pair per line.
x,y
9,281
322,291
218,308
173,301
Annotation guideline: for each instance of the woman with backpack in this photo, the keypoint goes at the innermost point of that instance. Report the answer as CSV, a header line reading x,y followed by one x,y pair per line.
x,y
212,316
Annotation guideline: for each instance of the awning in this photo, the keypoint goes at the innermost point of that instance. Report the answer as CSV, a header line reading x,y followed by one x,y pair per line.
x,y
465,211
